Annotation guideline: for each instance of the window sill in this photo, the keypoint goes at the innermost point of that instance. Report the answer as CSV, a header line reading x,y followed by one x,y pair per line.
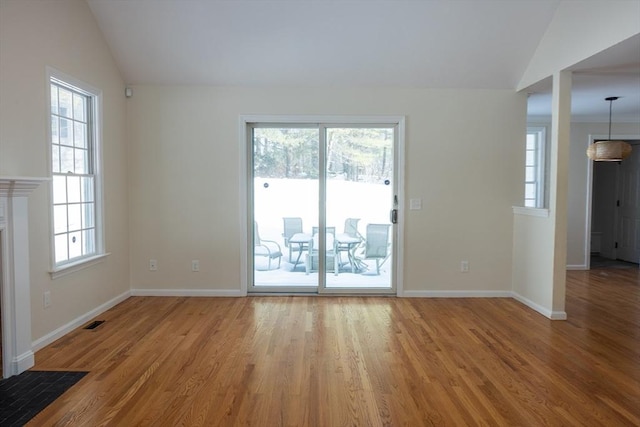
x,y
521,210
77,266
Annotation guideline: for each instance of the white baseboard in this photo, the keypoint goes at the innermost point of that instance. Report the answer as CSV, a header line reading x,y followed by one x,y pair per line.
x,y
188,293
77,322
457,294
23,362
577,267
558,315
553,315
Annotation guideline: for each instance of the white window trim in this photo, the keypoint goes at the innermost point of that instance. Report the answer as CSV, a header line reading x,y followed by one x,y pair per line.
x,y
96,94
541,156
245,175
526,211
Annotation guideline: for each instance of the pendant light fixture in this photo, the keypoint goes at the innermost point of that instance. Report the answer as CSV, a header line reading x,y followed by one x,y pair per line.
x,y
609,151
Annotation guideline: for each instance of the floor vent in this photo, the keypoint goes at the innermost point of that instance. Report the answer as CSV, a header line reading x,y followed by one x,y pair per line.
x,y
94,324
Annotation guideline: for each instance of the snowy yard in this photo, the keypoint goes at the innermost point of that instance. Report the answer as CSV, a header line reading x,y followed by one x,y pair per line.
x,y
276,198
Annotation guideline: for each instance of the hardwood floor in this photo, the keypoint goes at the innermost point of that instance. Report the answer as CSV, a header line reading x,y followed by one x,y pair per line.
x,y
358,361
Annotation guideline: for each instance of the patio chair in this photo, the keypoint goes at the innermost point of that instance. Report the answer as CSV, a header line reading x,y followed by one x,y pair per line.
x,y
351,243
313,252
377,244
265,248
351,228
292,225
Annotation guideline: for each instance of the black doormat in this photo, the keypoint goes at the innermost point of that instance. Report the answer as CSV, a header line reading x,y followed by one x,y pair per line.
x,y
23,396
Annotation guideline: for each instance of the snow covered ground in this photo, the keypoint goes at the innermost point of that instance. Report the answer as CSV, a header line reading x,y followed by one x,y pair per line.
x,y
276,198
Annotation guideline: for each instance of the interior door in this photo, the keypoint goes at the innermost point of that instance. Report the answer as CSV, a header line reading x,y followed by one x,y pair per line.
x,y
628,224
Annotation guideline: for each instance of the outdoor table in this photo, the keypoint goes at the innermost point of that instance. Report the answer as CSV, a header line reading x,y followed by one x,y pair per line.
x,y
351,243
302,239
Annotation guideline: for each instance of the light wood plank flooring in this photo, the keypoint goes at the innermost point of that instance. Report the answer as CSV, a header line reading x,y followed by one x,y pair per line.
x,y
358,361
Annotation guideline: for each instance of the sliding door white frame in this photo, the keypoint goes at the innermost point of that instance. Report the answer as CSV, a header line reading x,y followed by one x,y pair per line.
x,y
245,176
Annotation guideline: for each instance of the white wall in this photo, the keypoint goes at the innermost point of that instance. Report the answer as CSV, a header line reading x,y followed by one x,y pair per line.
x,y
579,30
575,34
533,261
577,200
64,35
578,184
465,156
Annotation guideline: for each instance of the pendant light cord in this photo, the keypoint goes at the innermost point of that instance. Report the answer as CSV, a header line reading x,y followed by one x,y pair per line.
x,y
610,107
610,99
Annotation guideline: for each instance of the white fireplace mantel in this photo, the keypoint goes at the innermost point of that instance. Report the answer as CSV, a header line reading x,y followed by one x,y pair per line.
x,y
14,269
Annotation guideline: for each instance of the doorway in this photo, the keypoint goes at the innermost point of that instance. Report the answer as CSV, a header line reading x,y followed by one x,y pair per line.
x,y
615,209
322,204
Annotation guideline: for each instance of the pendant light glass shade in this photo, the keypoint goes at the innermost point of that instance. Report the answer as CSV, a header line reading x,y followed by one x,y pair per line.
x,y
609,151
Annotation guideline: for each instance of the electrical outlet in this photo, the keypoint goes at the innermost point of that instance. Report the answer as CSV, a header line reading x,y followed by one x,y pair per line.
x,y
195,265
153,265
46,299
464,266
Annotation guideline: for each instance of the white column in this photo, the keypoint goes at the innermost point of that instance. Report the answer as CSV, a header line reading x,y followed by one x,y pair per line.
x,y
559,182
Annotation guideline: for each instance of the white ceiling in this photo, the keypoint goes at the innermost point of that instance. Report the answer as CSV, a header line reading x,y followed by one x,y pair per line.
x,y
483,44
613,72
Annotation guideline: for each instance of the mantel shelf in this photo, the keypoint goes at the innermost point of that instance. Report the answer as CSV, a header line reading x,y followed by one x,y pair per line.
x,y
19,185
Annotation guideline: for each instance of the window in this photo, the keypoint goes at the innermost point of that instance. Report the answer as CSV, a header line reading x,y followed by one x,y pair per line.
x,y
77,233
534,193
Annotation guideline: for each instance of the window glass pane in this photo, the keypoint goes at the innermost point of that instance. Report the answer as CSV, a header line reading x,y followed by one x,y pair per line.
x,y
87,215
66,132
59,189
530,191
73,189
78,107
530,173
75,244
55,137
65,105
531,158
66,160
74,212
530,203
531,141
80,161
55,158
74,204
87,189
89,242
54,99
60,219
80,134
60,243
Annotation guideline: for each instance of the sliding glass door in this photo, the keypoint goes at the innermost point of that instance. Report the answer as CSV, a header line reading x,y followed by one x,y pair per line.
x,y
320,205
285,204
359,194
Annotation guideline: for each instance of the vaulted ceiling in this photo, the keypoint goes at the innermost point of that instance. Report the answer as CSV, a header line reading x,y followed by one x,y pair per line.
x,y
469,44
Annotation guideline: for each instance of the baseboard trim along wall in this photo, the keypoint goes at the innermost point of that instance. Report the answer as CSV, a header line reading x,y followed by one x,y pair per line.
x,y
187,293
577,267
77,322
553,315
457,294
22,362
